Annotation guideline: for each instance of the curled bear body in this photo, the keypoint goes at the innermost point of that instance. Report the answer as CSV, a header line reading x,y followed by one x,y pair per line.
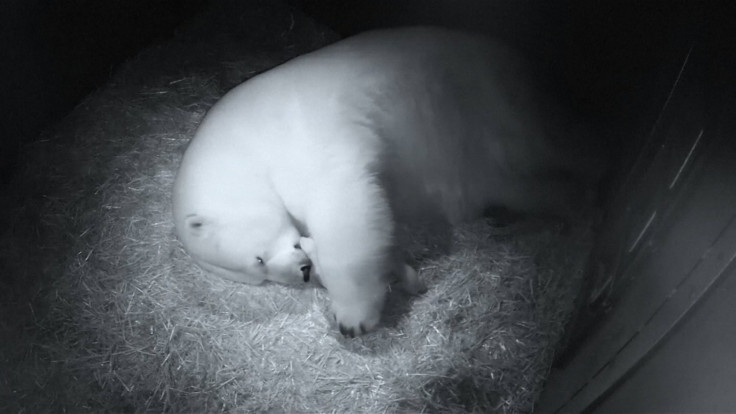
x,y
338,144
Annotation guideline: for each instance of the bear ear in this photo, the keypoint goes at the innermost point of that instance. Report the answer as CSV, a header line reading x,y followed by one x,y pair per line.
x,y
196,225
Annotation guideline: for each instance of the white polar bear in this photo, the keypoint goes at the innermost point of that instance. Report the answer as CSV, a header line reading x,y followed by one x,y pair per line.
x,y
338,144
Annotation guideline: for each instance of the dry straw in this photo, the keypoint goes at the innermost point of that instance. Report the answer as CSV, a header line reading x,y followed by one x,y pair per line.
x,y
103,310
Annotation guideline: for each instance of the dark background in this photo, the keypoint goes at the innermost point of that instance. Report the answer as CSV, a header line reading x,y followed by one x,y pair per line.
x,y
613,60
53,53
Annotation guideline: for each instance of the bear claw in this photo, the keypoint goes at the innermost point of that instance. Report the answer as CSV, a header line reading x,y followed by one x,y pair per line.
x,y
347,331
350,332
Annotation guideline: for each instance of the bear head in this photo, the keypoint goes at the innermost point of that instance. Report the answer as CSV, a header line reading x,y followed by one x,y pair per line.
x,y
251,248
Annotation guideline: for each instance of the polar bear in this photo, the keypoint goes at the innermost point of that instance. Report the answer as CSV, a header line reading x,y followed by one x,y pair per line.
x,y
339,144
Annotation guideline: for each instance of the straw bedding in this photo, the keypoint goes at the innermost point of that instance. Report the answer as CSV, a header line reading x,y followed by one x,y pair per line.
x,y
104,311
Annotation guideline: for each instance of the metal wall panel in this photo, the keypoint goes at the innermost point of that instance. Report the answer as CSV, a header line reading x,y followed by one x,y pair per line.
x,y
673,237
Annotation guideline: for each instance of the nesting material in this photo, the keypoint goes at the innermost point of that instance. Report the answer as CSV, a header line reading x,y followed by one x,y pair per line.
x,y
103,310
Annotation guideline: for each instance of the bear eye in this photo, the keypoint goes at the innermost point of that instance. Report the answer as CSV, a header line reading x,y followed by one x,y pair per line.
x,y
259,260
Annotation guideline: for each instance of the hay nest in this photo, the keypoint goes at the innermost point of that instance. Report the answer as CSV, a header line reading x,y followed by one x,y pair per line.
x,y
104,311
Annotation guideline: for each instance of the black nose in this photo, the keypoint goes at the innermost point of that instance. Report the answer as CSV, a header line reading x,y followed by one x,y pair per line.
x,y
305,272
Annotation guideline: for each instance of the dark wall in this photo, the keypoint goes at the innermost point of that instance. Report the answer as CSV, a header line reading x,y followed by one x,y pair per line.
x,y
55,52
692,369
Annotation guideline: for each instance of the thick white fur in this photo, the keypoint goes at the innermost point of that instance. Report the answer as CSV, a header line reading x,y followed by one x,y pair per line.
x,y
340,142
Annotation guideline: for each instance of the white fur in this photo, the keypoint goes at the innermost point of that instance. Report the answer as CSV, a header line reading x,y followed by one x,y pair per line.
x,y
341,142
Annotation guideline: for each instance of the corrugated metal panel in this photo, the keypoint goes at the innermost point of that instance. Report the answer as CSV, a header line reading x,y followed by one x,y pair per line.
x,y
673,238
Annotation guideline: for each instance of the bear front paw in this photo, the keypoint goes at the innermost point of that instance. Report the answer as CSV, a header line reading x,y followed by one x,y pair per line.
x,y
356,319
